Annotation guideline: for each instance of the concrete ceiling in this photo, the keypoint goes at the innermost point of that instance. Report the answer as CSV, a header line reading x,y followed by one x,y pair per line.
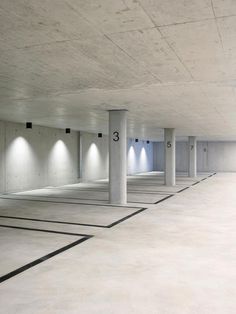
x,y
171,63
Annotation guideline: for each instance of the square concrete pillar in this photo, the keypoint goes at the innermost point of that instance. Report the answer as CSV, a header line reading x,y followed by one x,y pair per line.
x,y
169,157
117,156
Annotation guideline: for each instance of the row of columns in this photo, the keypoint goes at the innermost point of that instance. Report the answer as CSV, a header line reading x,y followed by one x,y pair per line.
x,y
117,156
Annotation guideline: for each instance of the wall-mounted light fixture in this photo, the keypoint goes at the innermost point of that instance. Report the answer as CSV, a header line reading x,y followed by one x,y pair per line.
x,y
136,140
28,125
67,130
148,142
99,134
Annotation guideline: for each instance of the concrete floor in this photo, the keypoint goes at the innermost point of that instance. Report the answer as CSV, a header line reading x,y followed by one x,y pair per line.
x,y
177,256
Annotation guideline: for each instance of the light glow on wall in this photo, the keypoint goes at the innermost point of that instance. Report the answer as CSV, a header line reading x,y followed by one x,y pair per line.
x,y
93,160
143,160
132,161
20,153
140,157
59,159
21,162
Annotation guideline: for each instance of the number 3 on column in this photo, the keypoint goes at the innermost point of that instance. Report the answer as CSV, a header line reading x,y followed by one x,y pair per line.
x,y
116,136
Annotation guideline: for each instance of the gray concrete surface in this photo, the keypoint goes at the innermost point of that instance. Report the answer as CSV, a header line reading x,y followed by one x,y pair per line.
x,y
176,257
216,156
170,63
20,247
144,188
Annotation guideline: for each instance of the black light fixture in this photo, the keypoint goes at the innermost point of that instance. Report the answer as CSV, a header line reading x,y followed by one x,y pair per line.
x,y
148,142
28,125
136,140
67,130
99,134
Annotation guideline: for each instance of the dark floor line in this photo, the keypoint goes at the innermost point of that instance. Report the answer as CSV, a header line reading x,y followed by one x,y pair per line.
x,y
196,183
70,203
91,225
159,201
76,198
184,189
43,259
143,209
83,224
129,192
161,183
77,203
211,175
126,217
53,221
44,230
71,223
165,192
62,197
97,190
140,203
67,247
150,193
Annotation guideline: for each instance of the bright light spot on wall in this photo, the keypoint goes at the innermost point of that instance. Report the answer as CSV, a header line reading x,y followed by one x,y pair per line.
x,y
93,160
19,151
132,162
59,152
20,157
140,157
60,149
59,161
143,162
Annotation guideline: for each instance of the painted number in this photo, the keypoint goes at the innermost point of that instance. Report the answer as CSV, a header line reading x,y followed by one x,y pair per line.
x,y
169,144
116,136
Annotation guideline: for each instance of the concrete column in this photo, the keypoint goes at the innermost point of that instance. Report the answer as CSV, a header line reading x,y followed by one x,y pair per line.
x,y
117,156
192,156
169,157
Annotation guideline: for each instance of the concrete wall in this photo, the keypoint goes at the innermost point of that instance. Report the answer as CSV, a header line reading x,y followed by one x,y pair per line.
x,y
95,162
94,156
140,156
158,156
38,157
211,156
